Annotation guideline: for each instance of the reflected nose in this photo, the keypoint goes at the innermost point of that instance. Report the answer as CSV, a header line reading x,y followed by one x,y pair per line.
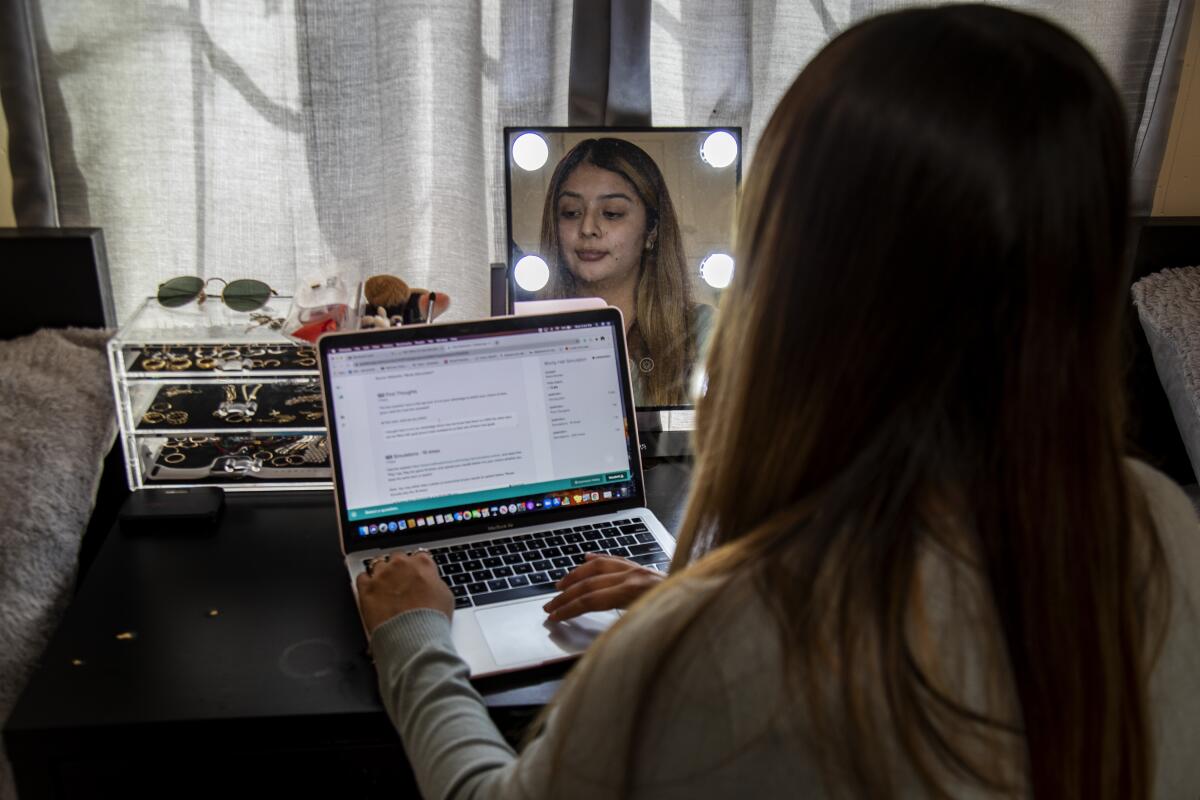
x,y
590,224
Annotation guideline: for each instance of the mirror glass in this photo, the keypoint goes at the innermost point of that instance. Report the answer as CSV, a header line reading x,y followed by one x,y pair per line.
x,y
642,218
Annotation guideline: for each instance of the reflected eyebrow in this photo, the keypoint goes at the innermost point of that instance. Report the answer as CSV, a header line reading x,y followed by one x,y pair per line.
x,y
613,196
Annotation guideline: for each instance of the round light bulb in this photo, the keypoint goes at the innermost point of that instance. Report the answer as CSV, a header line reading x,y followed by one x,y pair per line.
x,y
530,151
719,150
532,273
717,270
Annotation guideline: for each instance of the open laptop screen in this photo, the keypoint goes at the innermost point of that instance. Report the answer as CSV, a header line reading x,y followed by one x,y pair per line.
x,y
452,425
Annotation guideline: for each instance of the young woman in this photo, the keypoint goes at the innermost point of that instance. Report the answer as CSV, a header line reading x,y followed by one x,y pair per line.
x,y
915,559
609,230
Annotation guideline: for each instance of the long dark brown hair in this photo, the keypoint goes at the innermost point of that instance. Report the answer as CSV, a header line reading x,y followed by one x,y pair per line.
x,y
662,328
920,354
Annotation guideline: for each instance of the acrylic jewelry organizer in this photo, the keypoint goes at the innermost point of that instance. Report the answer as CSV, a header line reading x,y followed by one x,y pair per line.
x,y
207,396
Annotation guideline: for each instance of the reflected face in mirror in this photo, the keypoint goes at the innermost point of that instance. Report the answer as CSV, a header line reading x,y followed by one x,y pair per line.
x,y
609,230
601,227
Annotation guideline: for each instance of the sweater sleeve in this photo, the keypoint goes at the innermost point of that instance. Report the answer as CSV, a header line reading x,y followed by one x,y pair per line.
x,y
452,744
456,750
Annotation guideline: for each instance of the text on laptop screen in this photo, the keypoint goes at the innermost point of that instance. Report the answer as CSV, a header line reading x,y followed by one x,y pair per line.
x,y
453,428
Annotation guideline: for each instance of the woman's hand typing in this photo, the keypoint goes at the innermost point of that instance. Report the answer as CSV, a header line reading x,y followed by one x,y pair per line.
x,y
401,583
601,583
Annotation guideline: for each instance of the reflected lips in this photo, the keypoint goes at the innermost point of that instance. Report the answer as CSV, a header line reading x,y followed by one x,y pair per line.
x,y
591,255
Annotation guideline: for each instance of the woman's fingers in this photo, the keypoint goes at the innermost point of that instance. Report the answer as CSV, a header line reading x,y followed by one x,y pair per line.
x,y
398,584
581,588
602,593
600,600
595,565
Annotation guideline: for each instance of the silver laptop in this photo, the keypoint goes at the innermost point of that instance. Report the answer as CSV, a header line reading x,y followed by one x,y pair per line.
x,y
507,448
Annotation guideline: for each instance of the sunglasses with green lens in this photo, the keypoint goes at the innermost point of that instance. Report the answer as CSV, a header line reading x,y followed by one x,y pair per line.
x,y
240,295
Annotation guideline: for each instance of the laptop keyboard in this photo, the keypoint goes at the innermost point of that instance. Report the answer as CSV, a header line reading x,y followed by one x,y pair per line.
x,y
529,564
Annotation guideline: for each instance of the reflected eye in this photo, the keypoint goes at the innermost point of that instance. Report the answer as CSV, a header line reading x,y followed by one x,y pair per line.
x,y
568,213
614,214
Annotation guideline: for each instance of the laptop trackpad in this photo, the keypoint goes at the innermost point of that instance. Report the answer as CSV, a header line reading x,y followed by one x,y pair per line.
x,y
520,634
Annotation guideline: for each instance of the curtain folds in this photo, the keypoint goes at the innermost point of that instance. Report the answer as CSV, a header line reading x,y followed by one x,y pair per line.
x,y
283,139
21,92
727,62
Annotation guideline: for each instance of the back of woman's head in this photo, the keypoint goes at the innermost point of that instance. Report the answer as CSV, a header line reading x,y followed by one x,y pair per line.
x,y
933,230
922,338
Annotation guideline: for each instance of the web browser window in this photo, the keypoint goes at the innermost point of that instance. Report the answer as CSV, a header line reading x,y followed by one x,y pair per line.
x,y
459,424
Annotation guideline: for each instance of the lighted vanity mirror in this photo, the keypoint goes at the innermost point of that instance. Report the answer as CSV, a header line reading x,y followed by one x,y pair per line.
x,y
642,218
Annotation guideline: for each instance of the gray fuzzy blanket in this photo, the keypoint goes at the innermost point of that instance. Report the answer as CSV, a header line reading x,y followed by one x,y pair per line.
x,y
56,425
1168,304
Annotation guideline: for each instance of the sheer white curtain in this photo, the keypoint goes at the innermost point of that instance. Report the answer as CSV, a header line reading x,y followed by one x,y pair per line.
x,y
727,62
282,139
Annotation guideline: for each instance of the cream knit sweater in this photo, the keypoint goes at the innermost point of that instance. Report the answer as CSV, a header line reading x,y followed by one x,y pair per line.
x,y
720,723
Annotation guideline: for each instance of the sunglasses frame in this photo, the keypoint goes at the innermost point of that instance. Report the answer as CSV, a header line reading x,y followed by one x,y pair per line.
x,y
241,302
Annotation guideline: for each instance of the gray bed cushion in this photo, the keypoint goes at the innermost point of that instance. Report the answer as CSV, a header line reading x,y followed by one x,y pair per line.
x,y
56,425
1168,305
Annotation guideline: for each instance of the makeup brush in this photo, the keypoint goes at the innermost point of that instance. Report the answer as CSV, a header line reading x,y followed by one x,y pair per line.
x,y
387,291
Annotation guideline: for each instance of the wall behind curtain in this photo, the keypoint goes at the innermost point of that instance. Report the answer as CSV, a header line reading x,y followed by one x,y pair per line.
x,y
1178,192
727,62
283,139
7,220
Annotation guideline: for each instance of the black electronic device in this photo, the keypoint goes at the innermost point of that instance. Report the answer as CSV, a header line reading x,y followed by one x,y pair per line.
x,y
35,261
172,511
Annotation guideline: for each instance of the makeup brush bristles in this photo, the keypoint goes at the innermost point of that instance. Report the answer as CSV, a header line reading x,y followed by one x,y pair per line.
x,y
386,290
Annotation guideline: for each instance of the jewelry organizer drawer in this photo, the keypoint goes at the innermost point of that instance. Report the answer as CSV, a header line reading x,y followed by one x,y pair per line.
x,y
206,397
204,460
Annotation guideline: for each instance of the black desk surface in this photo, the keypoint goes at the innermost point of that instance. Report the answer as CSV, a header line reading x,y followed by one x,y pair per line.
x,y
245,640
